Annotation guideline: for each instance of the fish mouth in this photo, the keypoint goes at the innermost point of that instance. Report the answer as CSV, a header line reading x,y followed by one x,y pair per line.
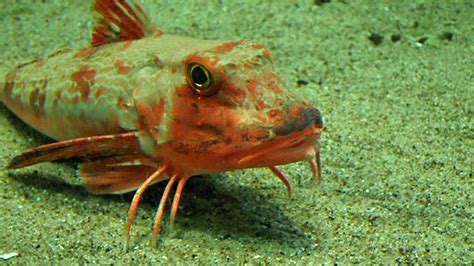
x,y
297,146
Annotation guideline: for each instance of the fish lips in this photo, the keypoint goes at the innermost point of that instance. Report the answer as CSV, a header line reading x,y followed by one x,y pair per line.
x,y
294,147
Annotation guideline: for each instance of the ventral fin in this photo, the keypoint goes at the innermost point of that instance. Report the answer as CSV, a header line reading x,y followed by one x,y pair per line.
x,y
119,20
85,148
117,174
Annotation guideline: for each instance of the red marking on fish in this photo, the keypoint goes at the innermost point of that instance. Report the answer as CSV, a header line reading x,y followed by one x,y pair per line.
x,y
9,84
84,79
226,47
260,105
275,88
252,87
121,68
100,91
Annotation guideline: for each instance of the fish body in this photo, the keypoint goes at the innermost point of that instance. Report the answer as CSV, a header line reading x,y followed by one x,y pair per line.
x,y
57,94
140,106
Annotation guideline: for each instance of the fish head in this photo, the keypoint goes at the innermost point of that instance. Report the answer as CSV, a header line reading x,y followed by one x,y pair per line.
x,y
231,110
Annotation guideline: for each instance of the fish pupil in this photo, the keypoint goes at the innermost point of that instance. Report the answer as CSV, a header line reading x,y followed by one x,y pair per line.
x,y
199,76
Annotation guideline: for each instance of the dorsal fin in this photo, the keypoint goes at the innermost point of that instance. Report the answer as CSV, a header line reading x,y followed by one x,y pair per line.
x,y
118,20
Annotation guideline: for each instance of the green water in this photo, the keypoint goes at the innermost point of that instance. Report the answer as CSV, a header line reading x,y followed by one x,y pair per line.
x,y
397,178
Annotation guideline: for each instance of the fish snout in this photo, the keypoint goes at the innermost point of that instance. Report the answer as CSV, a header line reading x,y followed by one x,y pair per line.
x,y
313,117
299,119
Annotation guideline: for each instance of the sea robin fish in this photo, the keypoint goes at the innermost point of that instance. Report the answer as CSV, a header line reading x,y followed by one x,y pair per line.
x,y
139,106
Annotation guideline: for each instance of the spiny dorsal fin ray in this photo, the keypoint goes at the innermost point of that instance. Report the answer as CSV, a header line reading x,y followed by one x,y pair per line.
x,y
119,20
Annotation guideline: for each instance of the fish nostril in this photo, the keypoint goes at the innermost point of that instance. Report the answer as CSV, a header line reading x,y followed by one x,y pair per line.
x,y
307,117
314,115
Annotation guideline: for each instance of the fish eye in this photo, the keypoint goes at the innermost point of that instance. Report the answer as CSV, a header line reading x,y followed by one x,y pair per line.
x,y
200,79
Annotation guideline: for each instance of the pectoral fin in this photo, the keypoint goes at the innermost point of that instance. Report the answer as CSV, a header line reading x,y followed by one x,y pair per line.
x,y
117,174
84,148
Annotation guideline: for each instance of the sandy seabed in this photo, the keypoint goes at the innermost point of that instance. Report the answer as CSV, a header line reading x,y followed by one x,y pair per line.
x,y
394,81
